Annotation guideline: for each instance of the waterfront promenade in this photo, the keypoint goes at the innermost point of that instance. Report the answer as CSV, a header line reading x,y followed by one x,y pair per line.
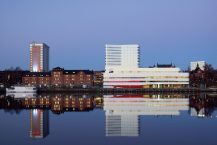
x,y
121,90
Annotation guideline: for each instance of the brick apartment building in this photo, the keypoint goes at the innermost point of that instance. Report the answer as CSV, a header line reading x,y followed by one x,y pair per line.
x,y
59,77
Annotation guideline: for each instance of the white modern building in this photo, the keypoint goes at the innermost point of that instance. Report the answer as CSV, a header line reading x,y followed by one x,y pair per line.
x,y
195,64
123,112
122,56
122,71
39,57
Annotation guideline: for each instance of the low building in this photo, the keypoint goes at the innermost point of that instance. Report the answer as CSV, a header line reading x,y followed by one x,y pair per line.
x,y
159,76
59,77
78,78
37,79
206,78
197,78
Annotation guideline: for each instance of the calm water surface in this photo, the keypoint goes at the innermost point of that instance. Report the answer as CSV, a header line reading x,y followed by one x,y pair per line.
x,y
54,119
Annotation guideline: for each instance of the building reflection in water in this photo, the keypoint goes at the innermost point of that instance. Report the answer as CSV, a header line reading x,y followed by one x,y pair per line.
x,y
122,112
203,105
39,123
21,95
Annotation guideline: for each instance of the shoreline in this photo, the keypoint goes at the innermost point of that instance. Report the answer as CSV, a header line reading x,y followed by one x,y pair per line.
x,y
120,90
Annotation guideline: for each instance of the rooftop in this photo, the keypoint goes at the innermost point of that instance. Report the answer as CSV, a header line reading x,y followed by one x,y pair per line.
x,y
163,66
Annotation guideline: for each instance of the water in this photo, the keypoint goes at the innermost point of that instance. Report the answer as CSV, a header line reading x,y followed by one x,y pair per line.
x,y
53,119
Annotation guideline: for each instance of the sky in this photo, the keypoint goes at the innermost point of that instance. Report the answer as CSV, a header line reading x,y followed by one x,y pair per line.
x,y
177,31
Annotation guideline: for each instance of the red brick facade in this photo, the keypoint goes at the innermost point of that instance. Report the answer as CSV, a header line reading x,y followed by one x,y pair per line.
x,y
59,77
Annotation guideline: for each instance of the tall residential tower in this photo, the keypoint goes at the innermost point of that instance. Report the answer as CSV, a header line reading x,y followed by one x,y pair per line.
x,y
39,57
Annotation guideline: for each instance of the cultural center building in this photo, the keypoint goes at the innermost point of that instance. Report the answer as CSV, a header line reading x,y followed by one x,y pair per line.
x,y
122,70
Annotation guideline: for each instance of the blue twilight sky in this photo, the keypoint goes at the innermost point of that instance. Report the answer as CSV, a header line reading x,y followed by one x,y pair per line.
x,y
177,31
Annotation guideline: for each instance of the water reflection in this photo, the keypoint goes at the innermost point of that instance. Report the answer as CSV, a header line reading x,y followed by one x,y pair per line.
x,y
21,95
203,105
122,112
39,123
